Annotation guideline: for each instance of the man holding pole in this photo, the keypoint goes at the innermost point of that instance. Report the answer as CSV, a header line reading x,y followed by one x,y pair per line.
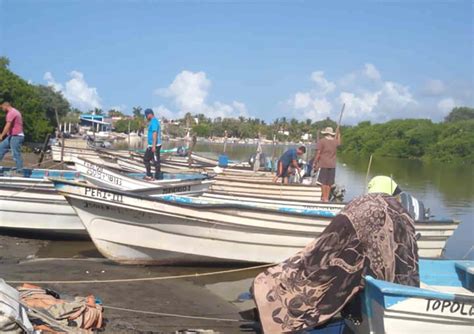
x,y
325,159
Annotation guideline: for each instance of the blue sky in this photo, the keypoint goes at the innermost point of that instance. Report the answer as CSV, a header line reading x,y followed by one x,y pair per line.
x,y
303,59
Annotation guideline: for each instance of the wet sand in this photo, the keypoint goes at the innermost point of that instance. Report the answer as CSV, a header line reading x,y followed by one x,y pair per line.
x,y
26,259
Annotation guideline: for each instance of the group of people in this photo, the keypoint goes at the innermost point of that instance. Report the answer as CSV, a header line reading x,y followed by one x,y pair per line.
x,y
324,163
12,138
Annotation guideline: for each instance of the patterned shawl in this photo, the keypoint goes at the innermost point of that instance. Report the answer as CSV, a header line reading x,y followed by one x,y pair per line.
x,y
373,235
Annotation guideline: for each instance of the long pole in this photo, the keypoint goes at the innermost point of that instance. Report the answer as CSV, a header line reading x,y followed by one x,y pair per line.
x,y
45,145
225,140
273,151
340,115
368,171
60,136
129,134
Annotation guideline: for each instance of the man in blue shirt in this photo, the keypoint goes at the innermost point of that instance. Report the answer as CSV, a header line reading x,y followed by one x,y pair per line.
x,y
152,152
289,158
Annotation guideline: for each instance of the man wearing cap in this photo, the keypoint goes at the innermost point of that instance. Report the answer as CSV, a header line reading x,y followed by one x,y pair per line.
x,y
152,152
287,160
326,160
12,136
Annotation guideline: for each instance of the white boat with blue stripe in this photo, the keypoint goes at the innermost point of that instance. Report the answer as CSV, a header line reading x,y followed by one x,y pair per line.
x,y
444,303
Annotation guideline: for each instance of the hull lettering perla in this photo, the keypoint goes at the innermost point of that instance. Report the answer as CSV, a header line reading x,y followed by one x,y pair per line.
x,y
97,193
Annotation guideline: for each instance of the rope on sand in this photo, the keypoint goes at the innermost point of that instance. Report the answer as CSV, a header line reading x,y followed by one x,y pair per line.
x,y
172,315
142,279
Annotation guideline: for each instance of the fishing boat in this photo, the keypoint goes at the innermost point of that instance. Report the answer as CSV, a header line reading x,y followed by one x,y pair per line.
x,y
29,203
258,186
99,174
160,231
267,189
444,303
69,153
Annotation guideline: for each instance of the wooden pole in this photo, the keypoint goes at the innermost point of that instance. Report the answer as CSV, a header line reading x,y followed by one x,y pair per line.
x,y
190,151
340,116
273,152
60,136
367,176
128,133
225,140
57,121
45,146
62,152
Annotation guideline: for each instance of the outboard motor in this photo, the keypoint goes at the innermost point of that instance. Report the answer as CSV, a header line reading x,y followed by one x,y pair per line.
x,y
263,159
182,151
415,207
337,193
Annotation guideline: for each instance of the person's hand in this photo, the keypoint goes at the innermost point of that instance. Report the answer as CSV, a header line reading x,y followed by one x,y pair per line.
x,y
153,149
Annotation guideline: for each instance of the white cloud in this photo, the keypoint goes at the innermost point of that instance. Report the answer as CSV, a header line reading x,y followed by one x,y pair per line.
x,y
76,91
48,77
189,92
301,100
162,111
397,95
314,108
446,105
240,108
323,86
371,72
120,107
372,98
359,106
434,87
314,104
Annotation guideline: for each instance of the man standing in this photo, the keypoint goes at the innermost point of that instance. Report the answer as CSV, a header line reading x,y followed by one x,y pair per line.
x,y
12,136
326,160
289,158
152,152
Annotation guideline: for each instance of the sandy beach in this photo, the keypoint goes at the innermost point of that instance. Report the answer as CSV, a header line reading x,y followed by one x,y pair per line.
x,y
26,259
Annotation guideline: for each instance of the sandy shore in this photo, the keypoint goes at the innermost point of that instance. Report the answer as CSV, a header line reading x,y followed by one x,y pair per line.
x,y
26,259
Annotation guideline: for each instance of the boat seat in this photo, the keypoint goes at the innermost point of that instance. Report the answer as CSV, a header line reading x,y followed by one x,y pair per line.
x,y
465,270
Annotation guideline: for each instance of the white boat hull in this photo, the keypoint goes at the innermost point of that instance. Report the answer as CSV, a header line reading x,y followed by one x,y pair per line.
x,y
107,177
38,210
150,231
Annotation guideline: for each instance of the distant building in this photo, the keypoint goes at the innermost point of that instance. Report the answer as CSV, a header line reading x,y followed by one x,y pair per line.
x,y
306,136
284,132
95,121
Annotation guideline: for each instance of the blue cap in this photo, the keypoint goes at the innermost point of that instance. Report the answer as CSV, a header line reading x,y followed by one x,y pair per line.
x,y
148,112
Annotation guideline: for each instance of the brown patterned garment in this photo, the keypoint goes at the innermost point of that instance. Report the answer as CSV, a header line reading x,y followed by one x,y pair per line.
x,y
373,236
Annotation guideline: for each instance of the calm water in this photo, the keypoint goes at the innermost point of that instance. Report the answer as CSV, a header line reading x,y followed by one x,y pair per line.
x,y
448,190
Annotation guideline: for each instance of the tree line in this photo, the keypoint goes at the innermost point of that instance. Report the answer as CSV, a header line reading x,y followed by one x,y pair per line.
x,y
450,141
